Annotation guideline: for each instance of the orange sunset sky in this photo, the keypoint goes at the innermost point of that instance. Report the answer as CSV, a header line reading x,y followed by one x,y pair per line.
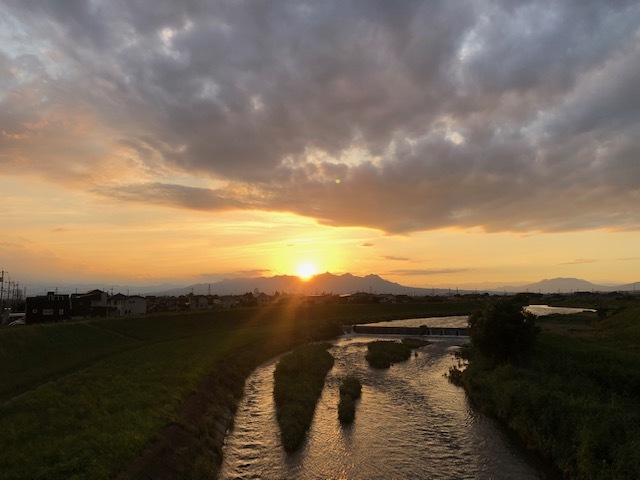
x,y
432,143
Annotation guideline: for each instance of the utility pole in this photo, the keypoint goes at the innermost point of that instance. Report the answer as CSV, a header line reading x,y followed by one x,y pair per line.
x,y
2,292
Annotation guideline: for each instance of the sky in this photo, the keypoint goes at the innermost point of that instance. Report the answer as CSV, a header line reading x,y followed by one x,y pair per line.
x,y
433,143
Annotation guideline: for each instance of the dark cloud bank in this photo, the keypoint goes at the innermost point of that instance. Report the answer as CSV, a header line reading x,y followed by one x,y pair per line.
x,y
401,116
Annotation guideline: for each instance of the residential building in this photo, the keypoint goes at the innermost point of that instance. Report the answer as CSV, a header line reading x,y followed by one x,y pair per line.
x,y
91,304
47,308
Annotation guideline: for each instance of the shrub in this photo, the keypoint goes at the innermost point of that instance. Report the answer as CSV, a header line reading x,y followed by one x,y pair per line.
x,y
350,391
346,409
503,332
351,386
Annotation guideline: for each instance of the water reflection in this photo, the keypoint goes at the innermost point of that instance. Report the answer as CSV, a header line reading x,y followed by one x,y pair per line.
x,y
410,423
541,310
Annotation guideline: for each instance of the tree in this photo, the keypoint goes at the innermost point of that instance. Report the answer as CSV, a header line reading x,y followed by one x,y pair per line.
x,y
503,332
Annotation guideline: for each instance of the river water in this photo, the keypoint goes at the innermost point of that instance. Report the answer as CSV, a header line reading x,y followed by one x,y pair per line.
x,y
411,423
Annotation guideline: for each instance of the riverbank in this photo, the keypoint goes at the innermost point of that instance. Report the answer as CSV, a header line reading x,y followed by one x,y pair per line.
x,y
578,401
88,399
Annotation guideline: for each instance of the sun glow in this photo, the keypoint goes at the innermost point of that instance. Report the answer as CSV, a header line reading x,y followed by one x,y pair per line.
x,y
306,270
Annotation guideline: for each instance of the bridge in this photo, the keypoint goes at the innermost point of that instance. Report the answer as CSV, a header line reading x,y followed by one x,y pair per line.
x,y
422,330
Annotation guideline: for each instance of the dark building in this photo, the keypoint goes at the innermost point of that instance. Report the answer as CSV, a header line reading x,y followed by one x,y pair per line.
x,y
90,304
47,308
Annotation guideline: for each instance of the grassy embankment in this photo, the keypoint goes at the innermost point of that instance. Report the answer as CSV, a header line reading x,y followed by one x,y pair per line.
x,y
578,400
83,400
298,382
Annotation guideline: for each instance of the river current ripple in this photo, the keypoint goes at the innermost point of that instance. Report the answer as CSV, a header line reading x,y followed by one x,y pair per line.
x,y
411,423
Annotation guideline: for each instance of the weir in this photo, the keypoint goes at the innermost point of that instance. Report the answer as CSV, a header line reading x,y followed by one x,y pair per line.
x,y
422,330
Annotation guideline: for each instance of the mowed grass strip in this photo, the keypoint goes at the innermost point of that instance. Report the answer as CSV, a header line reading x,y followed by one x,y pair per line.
x,y
33,355
90,424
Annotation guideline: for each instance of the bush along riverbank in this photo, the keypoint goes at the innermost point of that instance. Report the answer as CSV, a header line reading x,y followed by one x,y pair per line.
x,y
350,391
299,379
574,399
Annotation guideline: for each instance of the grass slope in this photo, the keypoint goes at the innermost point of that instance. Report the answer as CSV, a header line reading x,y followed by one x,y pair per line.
x,y
577,403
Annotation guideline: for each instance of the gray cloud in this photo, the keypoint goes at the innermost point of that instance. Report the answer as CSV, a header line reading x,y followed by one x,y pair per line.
x,y
216,277
400,259
193,198
578,261
428,271
507,116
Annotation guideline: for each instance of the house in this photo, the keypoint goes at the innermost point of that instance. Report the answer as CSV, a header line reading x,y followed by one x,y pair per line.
x,y
135,305
91,304
117,303
263,299
226,301
363,297
47,308
128,305
387,298
199,302
322,299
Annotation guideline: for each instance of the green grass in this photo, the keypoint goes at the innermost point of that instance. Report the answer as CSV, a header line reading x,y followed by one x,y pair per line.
x,y
33,355
84,399
582,318
577,403
105,389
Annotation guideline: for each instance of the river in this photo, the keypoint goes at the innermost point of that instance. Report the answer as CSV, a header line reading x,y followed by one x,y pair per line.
x,y
410,423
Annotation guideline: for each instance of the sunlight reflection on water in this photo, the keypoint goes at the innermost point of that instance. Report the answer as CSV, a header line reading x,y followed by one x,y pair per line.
x,y
541,310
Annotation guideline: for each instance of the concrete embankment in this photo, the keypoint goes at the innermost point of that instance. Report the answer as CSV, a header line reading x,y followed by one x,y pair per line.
x,y
422,330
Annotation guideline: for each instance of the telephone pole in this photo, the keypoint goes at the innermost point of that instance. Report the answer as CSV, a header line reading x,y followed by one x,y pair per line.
x,y
2,292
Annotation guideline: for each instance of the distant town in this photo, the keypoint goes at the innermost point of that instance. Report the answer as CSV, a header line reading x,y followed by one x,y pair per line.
x,y
56,307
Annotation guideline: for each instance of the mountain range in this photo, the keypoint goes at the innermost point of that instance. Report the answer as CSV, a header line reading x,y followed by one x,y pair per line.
x,y
348,283
318,284
568,285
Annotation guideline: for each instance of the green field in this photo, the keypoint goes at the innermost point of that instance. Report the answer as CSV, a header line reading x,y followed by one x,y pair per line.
x,y
84,400
577,402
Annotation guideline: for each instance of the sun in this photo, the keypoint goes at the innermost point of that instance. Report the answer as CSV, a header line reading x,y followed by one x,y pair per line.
x,y
306,270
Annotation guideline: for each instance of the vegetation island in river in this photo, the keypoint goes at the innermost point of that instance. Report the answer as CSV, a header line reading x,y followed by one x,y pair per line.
x,y
298,382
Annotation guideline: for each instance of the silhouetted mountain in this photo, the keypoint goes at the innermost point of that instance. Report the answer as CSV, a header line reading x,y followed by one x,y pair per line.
x,y
323,283
566,285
